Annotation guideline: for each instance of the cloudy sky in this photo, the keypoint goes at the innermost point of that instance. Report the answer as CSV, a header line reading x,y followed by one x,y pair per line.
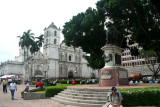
x,y
17,16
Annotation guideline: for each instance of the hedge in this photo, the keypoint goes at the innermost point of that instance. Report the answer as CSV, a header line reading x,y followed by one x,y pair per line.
x,y
53,90
33,82
65,81
77,81
141,97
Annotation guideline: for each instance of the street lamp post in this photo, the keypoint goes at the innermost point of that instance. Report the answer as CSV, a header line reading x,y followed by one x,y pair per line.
x,y
75,73
45,73
30,82
47,70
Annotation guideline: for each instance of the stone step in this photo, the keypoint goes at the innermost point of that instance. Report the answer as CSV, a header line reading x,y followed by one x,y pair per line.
x,y
84,98
80,100
84,95
93,90
86,92
77,104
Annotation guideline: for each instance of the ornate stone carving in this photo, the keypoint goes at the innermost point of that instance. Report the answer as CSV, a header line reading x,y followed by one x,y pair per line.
x,y
107,58
106,75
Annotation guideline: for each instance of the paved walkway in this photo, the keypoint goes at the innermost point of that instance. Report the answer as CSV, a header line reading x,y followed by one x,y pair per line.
x,y
6,101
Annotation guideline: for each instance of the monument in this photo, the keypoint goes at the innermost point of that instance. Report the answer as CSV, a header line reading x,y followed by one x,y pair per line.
x,y
113,74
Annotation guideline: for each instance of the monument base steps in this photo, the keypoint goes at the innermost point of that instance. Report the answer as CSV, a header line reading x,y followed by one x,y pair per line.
x,y
83,97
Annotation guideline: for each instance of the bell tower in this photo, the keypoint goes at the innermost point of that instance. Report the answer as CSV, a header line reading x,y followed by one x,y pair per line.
x,y
51,49
51,41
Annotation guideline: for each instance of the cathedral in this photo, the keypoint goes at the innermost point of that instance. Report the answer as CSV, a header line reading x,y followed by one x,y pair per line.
x,y
56,61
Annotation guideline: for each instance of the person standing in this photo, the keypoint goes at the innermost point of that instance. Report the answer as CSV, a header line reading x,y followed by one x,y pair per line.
x,y
12,88
4,85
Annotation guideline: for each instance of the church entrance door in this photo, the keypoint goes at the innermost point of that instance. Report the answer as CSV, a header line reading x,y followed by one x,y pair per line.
x,y
38,73
70,74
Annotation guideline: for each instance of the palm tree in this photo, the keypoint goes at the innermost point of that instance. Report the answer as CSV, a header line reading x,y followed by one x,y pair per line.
x,y
34,47
26,40
40,40
21,43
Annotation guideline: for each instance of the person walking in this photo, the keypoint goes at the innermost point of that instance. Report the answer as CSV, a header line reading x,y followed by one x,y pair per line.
x,y
12,88
4,85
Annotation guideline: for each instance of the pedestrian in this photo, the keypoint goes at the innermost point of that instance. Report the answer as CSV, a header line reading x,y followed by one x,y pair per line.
x,y
93,81
39,84
67,81
115,98
54,83
9,81
25,90
4,85
87,81
12,88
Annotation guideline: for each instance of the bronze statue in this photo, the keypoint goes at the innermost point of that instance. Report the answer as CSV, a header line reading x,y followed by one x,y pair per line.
x,y
111,37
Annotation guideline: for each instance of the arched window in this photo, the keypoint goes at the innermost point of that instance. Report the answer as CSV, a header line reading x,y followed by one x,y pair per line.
x,y
46,41
55,41
70,58
47,33
25,53
55,33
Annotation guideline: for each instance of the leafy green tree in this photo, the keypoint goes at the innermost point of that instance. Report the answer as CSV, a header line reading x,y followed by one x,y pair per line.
x,y
157,4
40,40
150,58
136,17
86,30
34,47
21,43
139,18
26,40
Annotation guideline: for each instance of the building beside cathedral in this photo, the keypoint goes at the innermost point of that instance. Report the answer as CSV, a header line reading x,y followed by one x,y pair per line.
x,y
56,61
137,64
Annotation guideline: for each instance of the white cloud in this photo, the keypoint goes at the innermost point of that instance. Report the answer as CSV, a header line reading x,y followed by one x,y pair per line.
x,y
17,16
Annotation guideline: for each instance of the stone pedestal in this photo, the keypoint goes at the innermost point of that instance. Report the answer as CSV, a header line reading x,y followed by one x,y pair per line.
x,y
113,74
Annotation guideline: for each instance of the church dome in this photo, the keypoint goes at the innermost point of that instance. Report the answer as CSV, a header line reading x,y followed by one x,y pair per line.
x,y
52,25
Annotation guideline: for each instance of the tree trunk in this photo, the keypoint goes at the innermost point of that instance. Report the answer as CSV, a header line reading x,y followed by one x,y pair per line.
x,y
153,76
24,54
27,52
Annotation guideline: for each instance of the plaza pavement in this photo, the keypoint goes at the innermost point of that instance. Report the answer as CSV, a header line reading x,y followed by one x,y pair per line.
x,y
6,101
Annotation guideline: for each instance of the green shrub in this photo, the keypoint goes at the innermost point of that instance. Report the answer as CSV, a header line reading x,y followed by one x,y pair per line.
x,y
141,97
33,82
78,81
70,81
54,90
46,82
63,81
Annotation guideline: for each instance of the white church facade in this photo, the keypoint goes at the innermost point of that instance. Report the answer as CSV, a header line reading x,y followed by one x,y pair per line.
x,y
56,61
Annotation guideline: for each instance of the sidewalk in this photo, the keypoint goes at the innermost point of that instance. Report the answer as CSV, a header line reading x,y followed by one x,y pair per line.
x,y
6,101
